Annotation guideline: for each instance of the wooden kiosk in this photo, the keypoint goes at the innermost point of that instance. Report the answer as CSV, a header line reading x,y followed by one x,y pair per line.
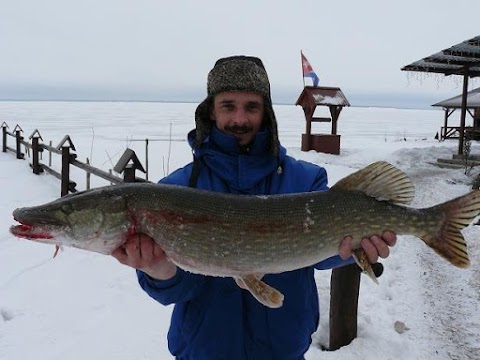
x,y
309,99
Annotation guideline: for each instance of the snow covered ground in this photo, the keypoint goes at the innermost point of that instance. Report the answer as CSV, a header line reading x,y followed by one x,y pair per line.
x,y
83,305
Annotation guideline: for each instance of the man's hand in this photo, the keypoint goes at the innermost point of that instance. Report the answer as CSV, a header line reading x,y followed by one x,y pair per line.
x,y
142,253
374,246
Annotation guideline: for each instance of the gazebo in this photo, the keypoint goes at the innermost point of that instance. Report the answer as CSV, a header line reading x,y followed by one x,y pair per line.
x,y
462,59
473,108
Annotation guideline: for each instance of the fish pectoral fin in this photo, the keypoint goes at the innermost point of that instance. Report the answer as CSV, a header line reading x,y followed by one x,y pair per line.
x,y
242,284
264,293
361,259
57,249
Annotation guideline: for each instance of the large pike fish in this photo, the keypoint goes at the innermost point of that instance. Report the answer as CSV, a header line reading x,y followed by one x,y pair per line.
x,y
244,236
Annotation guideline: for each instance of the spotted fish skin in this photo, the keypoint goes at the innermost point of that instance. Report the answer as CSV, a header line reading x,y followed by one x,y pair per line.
x,y
245,236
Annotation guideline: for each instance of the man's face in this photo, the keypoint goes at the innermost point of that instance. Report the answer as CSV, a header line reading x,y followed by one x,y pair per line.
x,y
239,113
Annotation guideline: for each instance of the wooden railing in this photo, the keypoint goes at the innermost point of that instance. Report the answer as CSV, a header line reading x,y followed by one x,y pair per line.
x,y
127,165
453,132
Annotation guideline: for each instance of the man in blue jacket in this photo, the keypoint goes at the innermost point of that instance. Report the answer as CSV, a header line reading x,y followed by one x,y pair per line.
x,y
236,150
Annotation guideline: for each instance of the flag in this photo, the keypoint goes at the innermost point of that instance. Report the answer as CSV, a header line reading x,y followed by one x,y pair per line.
x,y
308,70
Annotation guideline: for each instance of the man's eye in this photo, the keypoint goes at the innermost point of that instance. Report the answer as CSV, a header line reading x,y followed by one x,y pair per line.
x,y
253,108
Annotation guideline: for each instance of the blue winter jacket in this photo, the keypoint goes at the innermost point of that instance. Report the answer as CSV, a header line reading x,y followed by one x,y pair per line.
x,y
213,318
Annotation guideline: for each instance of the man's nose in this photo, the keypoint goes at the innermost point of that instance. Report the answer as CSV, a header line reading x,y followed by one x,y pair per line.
x,y
240,117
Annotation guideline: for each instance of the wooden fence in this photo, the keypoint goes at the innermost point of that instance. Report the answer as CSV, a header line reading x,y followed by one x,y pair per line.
x,y
128,163
345,281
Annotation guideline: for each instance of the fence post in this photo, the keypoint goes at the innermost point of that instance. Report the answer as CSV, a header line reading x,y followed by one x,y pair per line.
x,y
129,174
146,159
37,169
4,137
87,180
50,155
65,170
36,149
65,146
19,138
344,290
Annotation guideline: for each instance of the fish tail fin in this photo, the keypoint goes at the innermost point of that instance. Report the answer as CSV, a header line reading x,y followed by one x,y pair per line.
x,y
449,242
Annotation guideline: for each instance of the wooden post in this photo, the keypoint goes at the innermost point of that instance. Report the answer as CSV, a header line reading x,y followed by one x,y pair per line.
x,y
37,168
146,154
65,170
4,132
344,290
64,147
443,135
19,138
476,118
50,156
335,113
463,113
129,174
88,176
308,130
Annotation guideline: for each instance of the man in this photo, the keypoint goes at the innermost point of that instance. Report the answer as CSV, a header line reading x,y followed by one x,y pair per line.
x,y
236,150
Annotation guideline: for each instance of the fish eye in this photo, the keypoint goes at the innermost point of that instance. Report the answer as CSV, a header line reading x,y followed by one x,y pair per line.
x,y
67,208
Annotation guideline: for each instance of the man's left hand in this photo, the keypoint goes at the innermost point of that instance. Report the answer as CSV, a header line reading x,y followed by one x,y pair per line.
x,y
374,247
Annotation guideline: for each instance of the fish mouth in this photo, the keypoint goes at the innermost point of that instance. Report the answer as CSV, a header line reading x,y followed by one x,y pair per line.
x,y
35,223
30,232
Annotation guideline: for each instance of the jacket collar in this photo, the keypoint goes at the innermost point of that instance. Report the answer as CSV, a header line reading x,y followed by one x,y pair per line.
x,y
240,170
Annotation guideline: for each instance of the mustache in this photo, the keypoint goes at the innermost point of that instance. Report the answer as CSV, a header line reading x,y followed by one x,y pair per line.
x,y
239,129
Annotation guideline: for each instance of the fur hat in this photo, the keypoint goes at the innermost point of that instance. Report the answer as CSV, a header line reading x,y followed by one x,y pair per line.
x,y
236,73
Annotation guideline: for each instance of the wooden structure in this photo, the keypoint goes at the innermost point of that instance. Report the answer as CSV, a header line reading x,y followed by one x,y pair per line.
x,y
335,100
461,59
127,164
473,108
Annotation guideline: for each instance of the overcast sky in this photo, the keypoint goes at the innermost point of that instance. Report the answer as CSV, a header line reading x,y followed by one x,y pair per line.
x,y
163,50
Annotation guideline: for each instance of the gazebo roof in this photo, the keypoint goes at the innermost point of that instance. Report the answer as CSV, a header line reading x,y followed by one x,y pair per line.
x,y
473,100
460,59
323,95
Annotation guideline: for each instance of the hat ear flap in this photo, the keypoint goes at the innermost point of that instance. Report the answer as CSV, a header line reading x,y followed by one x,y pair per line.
x,y
272,125
203,122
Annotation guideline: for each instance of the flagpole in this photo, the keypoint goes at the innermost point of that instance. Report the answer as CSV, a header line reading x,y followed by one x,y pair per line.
x,y
301,61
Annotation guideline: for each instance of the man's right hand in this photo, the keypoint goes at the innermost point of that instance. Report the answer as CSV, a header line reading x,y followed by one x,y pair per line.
x,y
141,252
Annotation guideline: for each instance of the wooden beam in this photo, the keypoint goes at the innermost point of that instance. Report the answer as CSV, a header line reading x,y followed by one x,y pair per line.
x,y
463,114
321,119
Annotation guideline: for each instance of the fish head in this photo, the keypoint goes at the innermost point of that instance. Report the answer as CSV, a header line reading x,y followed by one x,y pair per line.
x,y
92,220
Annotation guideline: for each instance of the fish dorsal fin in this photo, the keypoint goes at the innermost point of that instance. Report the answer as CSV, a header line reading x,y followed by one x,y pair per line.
x,y
380,180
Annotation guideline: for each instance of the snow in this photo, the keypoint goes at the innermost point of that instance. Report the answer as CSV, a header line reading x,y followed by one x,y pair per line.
x,y
83,305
